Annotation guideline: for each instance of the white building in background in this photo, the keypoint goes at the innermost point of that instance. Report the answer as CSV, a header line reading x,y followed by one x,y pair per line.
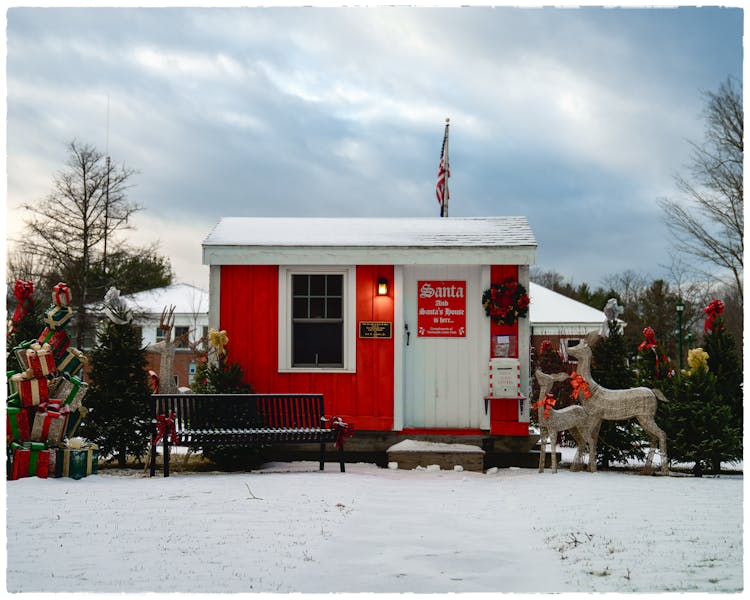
x,y
190,313
560,319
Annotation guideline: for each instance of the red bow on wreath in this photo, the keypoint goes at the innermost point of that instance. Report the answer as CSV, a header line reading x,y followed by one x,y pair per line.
x,y
165,427
343,430
548,402
23,291
579,385
713,311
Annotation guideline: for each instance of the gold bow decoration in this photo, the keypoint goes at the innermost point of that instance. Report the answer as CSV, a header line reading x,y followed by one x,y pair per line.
x,y
218,340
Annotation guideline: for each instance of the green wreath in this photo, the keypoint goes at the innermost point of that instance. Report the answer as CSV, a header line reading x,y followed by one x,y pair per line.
x,y
506,302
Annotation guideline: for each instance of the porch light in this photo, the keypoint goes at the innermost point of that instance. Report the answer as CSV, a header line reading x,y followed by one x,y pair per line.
x,y
382,286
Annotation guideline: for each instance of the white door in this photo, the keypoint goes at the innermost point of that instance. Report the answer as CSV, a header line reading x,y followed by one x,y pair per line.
x,y
445,368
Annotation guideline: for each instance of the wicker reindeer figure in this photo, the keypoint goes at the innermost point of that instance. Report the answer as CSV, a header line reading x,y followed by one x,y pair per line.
x,y
167,350
617,405
551,422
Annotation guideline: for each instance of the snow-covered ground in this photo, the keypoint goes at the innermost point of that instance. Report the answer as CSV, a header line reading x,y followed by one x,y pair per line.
x,y
291,528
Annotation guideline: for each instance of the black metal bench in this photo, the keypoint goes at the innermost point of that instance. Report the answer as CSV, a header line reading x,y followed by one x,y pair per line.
x,y
211,420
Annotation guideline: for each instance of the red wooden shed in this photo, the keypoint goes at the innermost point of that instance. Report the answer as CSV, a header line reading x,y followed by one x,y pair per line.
x,y
382,315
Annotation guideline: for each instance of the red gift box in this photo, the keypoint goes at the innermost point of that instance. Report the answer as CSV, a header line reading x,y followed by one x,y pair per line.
x,y
61,294
33,390
40,359
17,421
50,423
29,459
57,339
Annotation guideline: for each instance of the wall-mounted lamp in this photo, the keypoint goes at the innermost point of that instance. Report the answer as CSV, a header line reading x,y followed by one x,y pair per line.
x,y
382,286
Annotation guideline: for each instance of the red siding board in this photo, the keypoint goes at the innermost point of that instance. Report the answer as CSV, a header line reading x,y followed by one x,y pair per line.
x,y
249,314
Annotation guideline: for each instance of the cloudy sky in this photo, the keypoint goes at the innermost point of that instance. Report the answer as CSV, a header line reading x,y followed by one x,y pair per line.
x,y
576,118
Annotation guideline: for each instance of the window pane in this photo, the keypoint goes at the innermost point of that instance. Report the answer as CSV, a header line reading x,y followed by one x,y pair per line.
x,y
317,285
317,344
299,308
317,308
334,308
335,283
299,285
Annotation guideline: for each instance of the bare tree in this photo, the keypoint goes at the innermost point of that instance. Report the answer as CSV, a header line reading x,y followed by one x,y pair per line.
x,y
708,223
68,230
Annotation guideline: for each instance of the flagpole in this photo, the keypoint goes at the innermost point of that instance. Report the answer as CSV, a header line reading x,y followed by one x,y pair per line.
x,y
446,195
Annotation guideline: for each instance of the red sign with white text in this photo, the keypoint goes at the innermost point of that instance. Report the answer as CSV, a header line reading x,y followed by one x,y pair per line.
x,y
441,308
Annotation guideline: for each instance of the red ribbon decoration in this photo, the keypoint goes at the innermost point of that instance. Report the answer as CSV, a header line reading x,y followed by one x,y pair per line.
x,y
165,427
23,291
579,385
154,381
343,430
548,401
650,341
713,311
546,345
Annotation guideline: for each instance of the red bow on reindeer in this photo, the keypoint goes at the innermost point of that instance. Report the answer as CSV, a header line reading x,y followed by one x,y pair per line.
x,y
165,427
713,311
579,385
548,402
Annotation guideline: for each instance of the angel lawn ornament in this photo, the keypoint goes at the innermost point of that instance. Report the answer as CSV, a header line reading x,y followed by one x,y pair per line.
x,y
115,308
612,312
616,405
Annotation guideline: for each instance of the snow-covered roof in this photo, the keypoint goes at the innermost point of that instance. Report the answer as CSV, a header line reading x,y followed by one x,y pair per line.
x,y
281,240
186,298
551,313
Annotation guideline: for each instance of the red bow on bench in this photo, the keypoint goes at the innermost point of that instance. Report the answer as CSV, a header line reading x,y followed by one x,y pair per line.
x,y
165,427
343,430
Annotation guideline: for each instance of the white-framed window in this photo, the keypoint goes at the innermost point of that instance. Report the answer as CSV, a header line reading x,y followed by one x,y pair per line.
x,y
566,343
317,312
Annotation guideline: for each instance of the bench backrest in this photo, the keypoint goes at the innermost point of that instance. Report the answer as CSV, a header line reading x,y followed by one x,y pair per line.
x,y
210,411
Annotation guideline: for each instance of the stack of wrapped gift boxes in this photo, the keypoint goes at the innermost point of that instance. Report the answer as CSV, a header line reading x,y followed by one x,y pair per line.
x,y
44,407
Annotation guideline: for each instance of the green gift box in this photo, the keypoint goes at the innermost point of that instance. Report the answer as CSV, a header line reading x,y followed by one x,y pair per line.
x,y
72,361
20,352
56,317
76,463
74,421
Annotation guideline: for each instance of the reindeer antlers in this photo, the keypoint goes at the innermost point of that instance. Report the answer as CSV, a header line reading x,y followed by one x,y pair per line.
x,y
167,318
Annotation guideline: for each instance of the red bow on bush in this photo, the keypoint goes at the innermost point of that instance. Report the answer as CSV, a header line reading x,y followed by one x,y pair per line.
x,y
713,311
22,290
650,341
548,402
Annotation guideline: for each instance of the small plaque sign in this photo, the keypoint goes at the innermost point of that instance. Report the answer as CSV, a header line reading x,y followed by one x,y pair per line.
x,y
375,329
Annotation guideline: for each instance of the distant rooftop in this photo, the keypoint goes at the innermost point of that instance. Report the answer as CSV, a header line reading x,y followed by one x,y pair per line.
x,y
186,299
552,313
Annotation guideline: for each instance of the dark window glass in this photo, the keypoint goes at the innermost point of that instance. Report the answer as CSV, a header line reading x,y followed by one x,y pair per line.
x,y
317,321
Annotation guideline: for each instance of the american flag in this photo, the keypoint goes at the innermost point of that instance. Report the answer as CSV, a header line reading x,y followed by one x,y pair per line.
x,y
441,190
